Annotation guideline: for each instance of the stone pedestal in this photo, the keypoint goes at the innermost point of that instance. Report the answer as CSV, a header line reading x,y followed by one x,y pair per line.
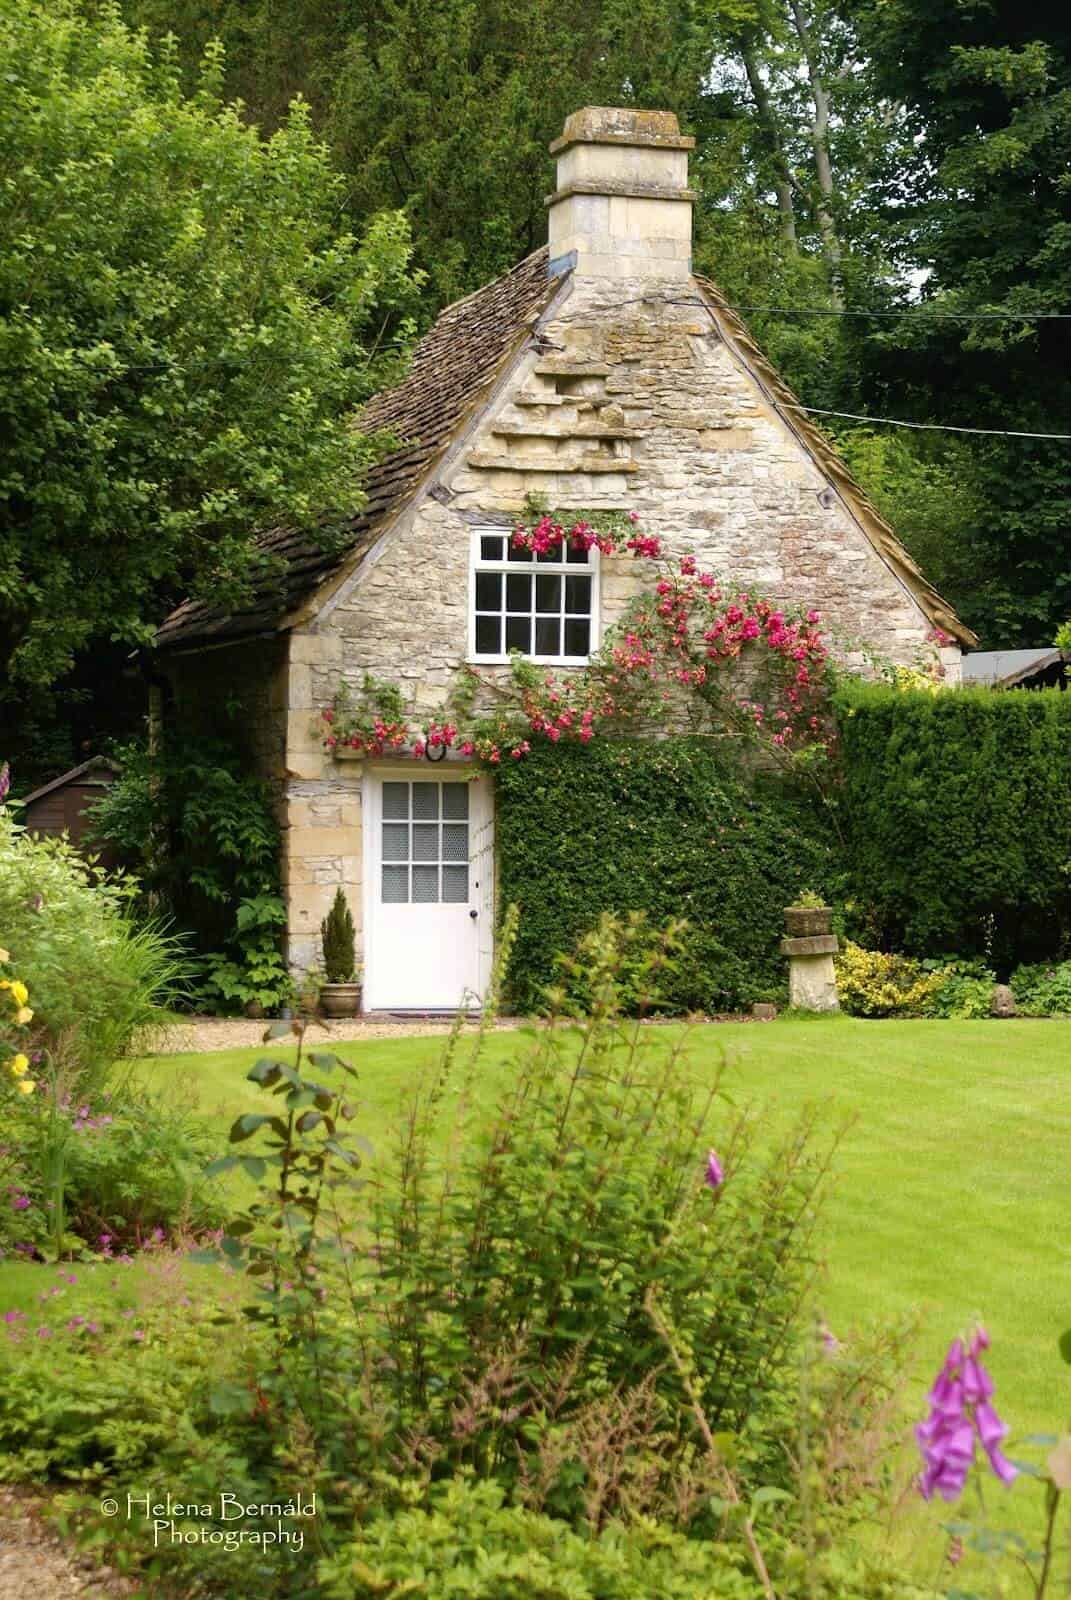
x,y
812,982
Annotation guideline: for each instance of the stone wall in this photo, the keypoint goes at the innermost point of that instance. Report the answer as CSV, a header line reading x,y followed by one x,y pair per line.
x,y
633,401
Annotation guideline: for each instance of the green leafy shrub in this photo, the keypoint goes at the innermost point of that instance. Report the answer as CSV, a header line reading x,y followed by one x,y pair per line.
x,y
872,984
138,1170
956,811
1043,991
667,828
512,1280
339,941
199,829
99,979
469,1544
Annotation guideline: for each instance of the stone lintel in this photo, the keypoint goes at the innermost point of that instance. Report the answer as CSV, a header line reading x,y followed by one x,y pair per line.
x,y
626,188
818,944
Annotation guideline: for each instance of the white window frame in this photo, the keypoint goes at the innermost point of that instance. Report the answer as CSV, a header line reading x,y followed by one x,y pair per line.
x,y
551,569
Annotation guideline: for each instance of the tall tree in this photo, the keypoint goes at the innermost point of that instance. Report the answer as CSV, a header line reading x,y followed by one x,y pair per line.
x,y
984,205
185,320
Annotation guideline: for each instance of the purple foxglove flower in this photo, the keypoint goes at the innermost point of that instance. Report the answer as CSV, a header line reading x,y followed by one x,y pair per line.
x,y
960,1411
715,1175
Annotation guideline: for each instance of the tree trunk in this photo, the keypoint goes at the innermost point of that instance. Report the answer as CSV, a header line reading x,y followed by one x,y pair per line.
x,y
820,143
782,178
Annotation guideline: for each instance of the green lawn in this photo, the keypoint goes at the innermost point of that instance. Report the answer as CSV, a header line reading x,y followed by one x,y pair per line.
x,y
952,1195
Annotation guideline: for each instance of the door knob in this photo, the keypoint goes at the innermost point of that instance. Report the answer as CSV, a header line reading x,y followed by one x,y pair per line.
x,y
474,915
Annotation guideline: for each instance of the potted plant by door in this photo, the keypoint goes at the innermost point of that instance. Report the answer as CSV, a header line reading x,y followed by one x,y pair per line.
x,y
340,994
808,917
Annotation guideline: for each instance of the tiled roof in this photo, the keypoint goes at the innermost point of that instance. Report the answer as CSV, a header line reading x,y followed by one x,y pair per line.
x,y
936,609
453,367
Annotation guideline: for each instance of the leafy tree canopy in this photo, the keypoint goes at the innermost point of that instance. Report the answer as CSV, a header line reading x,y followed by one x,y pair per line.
x,y
186,315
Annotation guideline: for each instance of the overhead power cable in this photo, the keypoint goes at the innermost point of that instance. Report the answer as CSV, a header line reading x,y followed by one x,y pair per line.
x,y
929,427
921,314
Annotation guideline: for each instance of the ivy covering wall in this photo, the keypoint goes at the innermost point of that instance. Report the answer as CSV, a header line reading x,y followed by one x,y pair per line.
x,y
956,811
667,828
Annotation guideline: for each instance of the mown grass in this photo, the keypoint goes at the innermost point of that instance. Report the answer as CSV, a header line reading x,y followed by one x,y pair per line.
x,y
952,1195
951,1199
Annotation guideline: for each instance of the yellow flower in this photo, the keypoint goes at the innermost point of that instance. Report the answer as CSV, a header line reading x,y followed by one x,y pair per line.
x,y
5,955
18,1065
19,992
23,1014
26,1086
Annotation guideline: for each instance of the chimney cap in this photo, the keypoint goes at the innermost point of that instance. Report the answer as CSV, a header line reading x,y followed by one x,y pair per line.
x,y
619,125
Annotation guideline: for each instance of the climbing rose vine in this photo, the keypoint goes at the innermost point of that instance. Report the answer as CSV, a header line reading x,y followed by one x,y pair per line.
x,y
684,638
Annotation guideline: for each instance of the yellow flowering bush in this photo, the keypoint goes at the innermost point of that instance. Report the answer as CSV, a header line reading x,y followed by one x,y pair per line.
x,y
871,984
14,1013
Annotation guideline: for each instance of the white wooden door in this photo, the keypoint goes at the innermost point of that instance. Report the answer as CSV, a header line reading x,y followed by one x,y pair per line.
x,y
429,901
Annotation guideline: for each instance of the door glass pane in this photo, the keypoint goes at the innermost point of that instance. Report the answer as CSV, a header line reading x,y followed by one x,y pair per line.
x,y
395,799
578,595
425,885
488,636
518,634
455,801
425,841
396,841
577,636
425,801
577,557
455,885
549,593
455,841
518,592
547,636
491,546
395,885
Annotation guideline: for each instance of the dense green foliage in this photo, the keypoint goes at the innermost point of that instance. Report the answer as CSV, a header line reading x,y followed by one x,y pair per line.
x,y
669,829
469,1545
956,809
870,984
984,202
98,979
199,830
185,320
1043,990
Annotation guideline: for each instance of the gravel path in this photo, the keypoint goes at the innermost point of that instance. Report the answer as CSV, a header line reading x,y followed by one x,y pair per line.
x,y
34,1565
233,1033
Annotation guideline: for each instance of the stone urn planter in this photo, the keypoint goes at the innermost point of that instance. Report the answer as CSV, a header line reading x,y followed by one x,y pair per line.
x,y
340,999
808,922
810,947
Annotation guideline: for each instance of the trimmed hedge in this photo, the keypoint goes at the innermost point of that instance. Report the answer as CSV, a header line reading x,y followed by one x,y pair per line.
x,y
956,809
664,828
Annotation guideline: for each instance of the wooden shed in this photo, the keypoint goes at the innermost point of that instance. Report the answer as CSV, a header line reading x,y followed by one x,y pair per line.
x,y
61,806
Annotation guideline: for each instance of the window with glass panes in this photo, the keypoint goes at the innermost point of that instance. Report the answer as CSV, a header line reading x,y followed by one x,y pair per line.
x,y
425,857
543,606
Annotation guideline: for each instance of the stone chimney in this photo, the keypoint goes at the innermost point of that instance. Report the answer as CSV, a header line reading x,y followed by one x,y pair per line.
x,y
622,208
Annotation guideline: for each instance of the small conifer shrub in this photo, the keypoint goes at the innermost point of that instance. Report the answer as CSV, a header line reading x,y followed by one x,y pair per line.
x,y
337,934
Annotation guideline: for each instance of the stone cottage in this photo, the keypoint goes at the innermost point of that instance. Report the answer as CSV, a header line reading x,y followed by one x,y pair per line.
x,y
599,373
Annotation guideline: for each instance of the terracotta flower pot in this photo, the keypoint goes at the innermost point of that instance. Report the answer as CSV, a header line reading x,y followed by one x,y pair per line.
x,y
805,922
340,999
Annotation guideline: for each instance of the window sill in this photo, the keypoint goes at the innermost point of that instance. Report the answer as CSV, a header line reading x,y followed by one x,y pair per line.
x,y
537,661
